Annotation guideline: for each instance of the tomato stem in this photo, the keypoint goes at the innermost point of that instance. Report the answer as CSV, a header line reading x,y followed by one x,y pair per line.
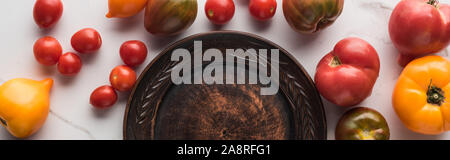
x,y
335,62
433,2
3,121
210,13
435,95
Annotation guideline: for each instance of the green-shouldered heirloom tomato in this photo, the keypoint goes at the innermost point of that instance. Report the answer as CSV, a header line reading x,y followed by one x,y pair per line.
x,y
310,16
169,17
362,124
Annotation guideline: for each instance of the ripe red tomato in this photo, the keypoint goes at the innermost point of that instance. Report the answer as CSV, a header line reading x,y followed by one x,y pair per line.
x,y
122,78
87,40
47,12
219,11
69,64
262,9
418,28
47,51
346,75
103,97
133,53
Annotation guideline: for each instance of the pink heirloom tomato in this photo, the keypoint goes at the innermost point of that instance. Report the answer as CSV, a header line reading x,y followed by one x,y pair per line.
x,y
418,28
346,75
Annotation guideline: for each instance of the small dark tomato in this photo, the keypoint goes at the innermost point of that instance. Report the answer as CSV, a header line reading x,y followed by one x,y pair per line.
x,y
362,124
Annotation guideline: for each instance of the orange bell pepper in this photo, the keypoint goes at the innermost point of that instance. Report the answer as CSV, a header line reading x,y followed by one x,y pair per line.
x,y
421,95
125,8
24,105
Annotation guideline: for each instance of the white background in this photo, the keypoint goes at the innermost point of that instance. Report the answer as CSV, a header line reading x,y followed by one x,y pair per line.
x,y
73,118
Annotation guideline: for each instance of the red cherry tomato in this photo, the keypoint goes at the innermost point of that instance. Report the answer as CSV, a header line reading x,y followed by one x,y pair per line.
x,y
133,53
122,78
46,13
69,64
47,51
103,97
87,40
219,11
262,9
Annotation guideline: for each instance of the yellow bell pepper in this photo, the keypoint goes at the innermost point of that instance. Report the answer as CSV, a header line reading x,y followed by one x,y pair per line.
x,y
24,105
421,95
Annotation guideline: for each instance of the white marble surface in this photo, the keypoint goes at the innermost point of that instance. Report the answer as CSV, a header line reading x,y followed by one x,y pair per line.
x,y
71,115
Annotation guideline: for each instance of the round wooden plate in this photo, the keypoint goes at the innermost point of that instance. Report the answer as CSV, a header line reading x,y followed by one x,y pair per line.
x,y
159,110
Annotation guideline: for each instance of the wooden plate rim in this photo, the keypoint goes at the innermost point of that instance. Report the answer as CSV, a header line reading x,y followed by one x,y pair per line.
x,y
183,40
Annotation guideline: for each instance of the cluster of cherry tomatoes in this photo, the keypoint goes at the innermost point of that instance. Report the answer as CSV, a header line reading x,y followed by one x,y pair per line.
x,y
122,77
48,51
222,11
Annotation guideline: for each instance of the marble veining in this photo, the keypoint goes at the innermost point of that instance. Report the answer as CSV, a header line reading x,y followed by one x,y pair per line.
x,y
71,115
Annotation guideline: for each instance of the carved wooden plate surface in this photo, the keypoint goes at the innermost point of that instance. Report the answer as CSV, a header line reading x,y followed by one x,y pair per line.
x,y
158,109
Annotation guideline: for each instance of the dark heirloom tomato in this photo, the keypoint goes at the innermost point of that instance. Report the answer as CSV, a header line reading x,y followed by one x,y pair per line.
x,y
169,17
362,124
310,16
